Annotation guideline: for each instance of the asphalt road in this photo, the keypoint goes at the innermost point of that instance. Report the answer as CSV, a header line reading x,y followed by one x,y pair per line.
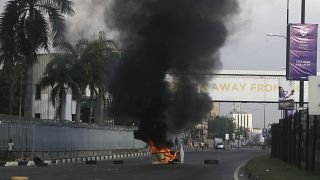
x,y
142,169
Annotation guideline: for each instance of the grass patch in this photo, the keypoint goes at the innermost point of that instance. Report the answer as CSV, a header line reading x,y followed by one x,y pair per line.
x,y
273,169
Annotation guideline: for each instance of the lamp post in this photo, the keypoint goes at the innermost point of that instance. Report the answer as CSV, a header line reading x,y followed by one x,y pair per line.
x,y
264,114
288,4
20,98
301,93
264,124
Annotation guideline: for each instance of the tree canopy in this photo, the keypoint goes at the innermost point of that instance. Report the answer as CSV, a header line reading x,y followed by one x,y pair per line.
x,y
218,126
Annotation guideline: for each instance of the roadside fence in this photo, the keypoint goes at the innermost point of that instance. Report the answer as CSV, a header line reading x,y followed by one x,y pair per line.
x,y
64,136
296,140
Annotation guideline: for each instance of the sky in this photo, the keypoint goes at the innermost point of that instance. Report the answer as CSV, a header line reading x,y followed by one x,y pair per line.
x,y
247,48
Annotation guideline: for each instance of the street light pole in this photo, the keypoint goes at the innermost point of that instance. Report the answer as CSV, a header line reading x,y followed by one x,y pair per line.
x,y
264,124
288,5
303,18
264,116
287,48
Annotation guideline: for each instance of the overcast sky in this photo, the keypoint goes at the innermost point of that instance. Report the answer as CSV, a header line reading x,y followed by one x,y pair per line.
x,y
248,47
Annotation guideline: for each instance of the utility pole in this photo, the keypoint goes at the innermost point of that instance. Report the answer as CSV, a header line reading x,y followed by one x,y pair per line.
x,y
264,116
303,18
284,112
288,5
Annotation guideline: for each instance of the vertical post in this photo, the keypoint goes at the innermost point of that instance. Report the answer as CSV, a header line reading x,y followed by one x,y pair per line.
x,y
288,5
20,99
300,139
264,126
314,144
284,115
289,140
294,146
288,43
303,13
272,141
264,116
307,141
33,129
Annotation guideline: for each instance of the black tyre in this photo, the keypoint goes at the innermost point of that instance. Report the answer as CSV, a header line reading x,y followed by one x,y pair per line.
x,y
91,162
211,161
39,162
118,162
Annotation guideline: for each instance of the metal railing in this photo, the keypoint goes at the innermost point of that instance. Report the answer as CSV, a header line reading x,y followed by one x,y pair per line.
x,y
296,140
49,135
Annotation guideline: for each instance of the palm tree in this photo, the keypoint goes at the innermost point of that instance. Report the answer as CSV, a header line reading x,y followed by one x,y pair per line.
x,y
58,77
33,24
111,55
78,74
98,57
66,71
12,63
92,56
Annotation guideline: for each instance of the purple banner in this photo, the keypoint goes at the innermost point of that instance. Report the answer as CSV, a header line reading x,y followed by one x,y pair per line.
x,y
302,60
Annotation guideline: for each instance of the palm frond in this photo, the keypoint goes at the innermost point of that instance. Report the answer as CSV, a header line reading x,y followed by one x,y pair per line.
x,y
57,21
42,31
23,45
66,6
8,19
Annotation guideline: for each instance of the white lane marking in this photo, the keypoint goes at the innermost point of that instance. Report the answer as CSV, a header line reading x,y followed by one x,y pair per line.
x,y
235,174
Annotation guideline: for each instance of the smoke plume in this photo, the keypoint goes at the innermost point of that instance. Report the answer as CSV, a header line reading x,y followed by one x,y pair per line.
x,y
182,37
88,20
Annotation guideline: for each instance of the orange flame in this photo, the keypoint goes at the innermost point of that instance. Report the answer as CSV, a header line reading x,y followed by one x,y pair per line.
x,y
162,154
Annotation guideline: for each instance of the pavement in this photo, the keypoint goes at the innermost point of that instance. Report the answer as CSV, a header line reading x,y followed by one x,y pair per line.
x,y
141,168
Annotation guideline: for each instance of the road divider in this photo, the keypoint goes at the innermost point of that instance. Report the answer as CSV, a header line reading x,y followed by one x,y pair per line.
x,y
78,160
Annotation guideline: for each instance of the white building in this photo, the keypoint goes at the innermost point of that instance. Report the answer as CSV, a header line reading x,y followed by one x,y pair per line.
x,y
243,120
43,108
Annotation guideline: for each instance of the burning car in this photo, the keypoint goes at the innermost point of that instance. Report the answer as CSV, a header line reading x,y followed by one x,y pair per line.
x,y
164,155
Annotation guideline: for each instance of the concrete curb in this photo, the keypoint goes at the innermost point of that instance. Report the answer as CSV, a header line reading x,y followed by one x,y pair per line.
x,y
75,160
236,172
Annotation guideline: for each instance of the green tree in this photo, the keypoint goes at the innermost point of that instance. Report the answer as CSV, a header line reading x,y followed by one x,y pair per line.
x,y
242,131
32,24
218,126
12,64
58,77
13,67
77,72
9,98
98,57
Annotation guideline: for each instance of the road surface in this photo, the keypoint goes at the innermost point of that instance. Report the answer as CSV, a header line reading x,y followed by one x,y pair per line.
x,y
142,169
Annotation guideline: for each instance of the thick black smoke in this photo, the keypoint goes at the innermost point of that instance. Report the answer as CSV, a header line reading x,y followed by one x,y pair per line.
x,y
160,36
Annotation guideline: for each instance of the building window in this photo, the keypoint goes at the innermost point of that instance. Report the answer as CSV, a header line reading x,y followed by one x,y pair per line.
x,y
108,103
38,92
73,117
37,115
